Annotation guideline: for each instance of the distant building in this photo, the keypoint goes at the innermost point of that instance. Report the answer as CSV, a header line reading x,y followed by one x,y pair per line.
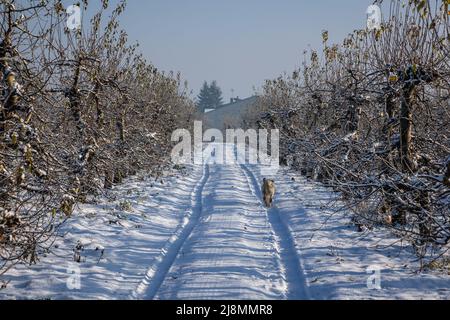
x,y
229,115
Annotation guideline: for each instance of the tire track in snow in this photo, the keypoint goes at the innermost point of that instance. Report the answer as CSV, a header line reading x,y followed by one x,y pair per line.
x,y
229,254
295,277
273,236
157,272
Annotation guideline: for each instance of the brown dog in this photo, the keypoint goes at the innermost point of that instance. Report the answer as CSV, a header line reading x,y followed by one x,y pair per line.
x,y
268,191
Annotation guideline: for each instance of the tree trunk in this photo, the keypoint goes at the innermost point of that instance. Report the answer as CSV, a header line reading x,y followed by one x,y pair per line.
x,y
352,119
390,105
108,179
121,127
447,174
118,177
406,126
8,76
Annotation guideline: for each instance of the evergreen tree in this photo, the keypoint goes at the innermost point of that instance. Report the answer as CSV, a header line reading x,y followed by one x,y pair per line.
x,y
203,99
210,97
215,95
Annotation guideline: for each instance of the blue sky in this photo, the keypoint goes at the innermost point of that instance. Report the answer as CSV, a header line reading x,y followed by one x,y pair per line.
x,y
239,43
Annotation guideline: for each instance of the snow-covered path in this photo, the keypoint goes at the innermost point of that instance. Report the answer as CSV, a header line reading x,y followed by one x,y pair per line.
x,y
236,249
207,235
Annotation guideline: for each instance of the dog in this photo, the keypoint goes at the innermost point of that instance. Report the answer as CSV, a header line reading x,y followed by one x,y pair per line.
x,y
268,191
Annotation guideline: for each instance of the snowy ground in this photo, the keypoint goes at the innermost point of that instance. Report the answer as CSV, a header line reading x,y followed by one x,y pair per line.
x,y
206,235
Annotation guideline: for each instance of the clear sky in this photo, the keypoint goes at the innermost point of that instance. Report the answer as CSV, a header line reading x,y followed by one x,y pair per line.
x,y
239,43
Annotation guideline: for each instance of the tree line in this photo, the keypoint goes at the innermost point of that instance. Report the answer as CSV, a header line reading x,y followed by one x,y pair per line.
x,y
79,112
370,118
